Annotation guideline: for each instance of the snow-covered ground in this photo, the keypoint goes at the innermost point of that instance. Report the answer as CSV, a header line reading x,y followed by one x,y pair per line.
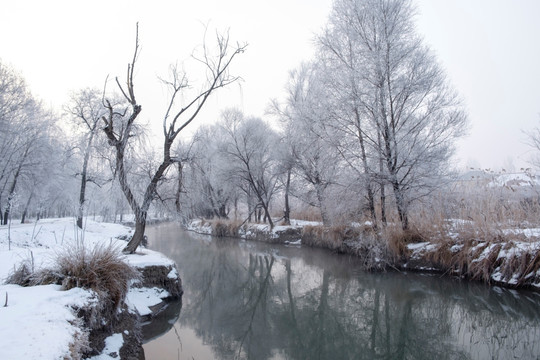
x,y
39,322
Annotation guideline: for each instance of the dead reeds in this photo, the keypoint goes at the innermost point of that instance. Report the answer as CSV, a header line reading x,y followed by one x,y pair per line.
x,y
225,228
100,268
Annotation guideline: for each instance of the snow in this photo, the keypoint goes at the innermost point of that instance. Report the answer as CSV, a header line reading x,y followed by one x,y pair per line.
x,y
515,179
112,348
417,246
305,223
297,242
173,274
141,299
39,322
146,257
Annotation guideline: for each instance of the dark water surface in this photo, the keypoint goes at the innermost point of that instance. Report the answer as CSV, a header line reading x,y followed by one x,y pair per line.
x,y
247,300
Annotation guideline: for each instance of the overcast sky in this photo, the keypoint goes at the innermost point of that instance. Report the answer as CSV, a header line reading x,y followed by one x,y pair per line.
x,y
490,50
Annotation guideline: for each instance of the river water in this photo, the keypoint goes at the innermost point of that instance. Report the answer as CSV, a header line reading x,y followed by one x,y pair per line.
x,y
248,300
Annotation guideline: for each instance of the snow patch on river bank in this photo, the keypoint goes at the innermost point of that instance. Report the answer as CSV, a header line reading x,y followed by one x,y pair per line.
x,y
40,322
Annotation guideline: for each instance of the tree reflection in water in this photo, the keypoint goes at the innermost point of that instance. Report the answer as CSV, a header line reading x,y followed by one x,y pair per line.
x,y
255,301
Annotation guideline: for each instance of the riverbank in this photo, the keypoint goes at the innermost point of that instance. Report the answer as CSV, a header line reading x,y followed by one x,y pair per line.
x,y
72,317
505,257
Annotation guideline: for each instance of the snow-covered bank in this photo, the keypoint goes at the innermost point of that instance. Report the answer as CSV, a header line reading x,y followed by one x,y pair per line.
x,y
47,322
509,258
509,263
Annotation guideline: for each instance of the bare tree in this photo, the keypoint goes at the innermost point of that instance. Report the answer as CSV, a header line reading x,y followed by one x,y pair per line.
x,y
174,121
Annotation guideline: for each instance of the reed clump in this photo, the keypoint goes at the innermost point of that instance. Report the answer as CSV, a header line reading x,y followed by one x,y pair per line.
x,y
330,237
225,228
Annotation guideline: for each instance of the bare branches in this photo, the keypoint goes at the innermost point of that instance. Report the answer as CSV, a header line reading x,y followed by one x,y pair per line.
x,y
217,67
130,96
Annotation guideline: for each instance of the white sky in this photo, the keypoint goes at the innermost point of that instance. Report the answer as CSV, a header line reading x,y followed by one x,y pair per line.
x,y
489,48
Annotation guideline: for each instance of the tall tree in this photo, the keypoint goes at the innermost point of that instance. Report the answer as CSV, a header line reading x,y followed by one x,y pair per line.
x,y
86,110
306,113
397,93
250,148
175,120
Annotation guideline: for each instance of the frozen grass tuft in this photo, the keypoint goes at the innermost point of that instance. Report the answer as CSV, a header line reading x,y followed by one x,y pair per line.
x,y
100,268
21,275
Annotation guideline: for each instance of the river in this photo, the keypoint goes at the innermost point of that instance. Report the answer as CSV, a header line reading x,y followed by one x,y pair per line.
x,y
248,300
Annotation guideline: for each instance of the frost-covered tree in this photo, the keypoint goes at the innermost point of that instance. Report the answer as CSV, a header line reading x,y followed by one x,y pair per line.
x,y
29,149
306,113
212,191
394,97
86,110
250,147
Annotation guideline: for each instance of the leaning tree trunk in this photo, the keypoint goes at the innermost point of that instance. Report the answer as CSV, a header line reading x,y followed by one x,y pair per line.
x,y
138,235
142,211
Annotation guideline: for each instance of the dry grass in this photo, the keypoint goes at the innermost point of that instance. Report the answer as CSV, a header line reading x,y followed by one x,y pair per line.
x,y
330,237
21,275
307,213
80,345
398,240
225,228
100,268
474,232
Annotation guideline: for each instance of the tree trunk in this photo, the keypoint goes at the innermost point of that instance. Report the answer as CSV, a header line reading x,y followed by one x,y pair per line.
x,y
287,212
401,205
383,205
367,171
322,207
138,235
25,211
13,186
382,183
82,193
250,208
11,194
178,188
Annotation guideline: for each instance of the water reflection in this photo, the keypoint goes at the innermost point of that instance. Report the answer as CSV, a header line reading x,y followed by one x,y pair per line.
x,y
255,301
